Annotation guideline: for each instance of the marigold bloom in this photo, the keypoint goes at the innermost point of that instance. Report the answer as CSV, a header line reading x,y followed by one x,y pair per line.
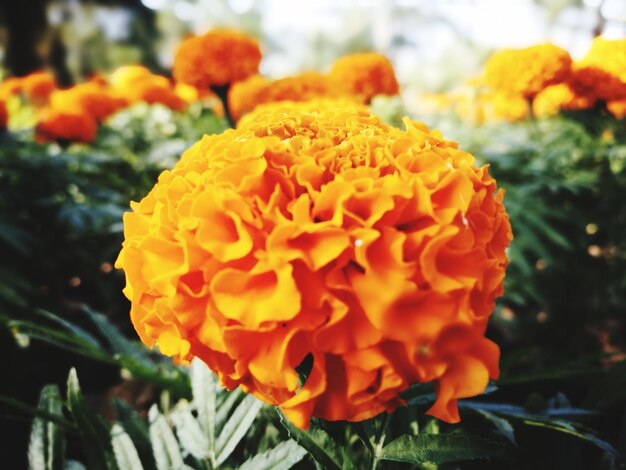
x,y
38,87
90,98
553,99
603,69
314,230
507,107
617,108
219,57
137,83
365,75
244,96
527,71
66,126
4,115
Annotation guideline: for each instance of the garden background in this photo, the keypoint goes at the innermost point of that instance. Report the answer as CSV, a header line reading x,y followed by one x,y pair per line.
x,y
560,401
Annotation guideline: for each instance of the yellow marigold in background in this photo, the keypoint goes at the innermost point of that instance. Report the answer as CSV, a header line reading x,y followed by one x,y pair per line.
x,y
316,232
35,87
247,95
136,83
507,107
527,71
603,69
65,126
617,108
90,98
218,58
10,87
365,75
553,99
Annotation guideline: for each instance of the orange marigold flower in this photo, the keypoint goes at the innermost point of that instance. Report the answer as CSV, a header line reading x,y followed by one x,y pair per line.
x,y
553,99
316,232
365,75
617,108
4,115
91,98
10,87
38,87
603,69
66,126
527,71
246,95
137,83
219,57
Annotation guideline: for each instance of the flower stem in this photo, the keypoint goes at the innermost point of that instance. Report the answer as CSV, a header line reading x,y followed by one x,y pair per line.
x,y
222,93
379,442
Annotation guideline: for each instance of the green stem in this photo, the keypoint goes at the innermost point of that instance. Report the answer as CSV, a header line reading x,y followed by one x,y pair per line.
x,y
222,93
379,442
38,413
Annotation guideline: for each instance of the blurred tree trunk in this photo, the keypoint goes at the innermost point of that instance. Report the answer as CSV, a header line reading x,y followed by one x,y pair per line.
x,y
26,24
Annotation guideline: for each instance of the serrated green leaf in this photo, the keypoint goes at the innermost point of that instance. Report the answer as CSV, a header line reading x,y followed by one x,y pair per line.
x,y
190,434
441,448
166,451
282,457
124,450
318,443
204,389
94,433
225,408
137,430
46,448
236,427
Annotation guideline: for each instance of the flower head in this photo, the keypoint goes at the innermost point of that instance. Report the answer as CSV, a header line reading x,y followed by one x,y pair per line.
x,y
365,75
563,96
65,126
248,94
316,233
220,57
617,108
4,115
527,71
137,84
603,69
38,87
90,98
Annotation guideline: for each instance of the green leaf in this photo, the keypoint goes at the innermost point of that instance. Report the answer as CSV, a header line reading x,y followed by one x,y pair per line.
x,y
164,445
441,448
282,457
204,389
124,450
79,332
94,433
118,341
236,427
318,443
137,430
225,408
46,448
190,434
572,429
501,425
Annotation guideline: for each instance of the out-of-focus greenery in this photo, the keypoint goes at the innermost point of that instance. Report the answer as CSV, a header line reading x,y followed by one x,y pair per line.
x,y
559,324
